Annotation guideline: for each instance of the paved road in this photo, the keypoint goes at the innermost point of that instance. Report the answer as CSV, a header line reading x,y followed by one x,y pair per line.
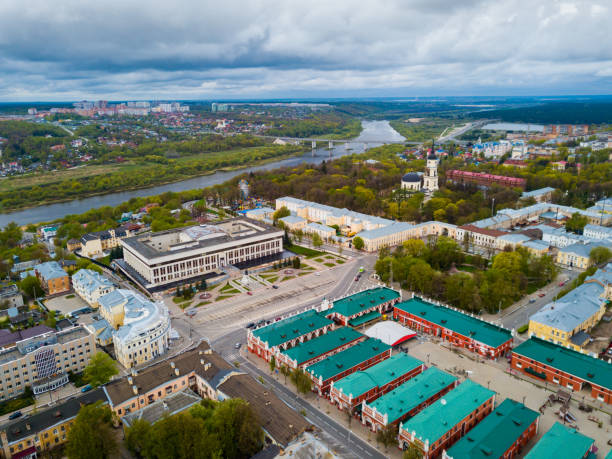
x,y
519,314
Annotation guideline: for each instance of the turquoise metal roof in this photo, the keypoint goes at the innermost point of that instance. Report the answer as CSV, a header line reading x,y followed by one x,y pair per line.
x,y
354,304
323,344
291,328
465,325
561,442
368,317
440,417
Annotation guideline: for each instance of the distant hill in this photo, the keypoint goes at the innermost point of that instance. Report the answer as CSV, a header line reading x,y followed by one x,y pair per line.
x,y
557,112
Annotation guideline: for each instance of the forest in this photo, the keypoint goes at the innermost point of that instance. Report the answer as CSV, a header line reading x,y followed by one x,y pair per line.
x,y
591,112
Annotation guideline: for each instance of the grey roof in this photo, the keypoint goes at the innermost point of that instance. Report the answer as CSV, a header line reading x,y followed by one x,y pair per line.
x,y
385,231
578,305
514,238
538,192
583,250
168,406
18,429
290,219
50,270
411,177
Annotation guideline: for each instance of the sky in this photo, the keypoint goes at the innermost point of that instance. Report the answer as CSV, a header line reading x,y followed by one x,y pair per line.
x,y
183,49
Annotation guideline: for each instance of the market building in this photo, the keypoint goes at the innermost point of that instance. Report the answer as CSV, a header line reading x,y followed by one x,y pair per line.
x,y
448,419
502,434
407,399
287,333
358,357
362,307
455,327
369,384
309,352
556,364
164,260
562,442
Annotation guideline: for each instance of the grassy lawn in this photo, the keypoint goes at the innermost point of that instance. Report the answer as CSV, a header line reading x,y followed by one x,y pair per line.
x,y
273,279
287,278
329,265
339,261
329,257
303,274
70,296
202,303
180,300
226,287
299,250
319,260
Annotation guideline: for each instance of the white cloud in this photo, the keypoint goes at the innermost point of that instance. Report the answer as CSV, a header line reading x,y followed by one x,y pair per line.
x,y
72,49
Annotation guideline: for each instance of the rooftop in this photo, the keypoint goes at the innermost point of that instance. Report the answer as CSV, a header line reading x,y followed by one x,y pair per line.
x,y
362,301
393,228
281,422
561,442
390,332
496,433
347,359
444,414
538,192
321,345
291,327
377,375
590,369
412,393
466,325
168,406
179,240
91,280
59,413
50,270
292,219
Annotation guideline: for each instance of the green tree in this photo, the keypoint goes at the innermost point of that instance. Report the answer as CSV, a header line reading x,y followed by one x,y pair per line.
x,y
358,243
138,436
302,381
238,429
51,321
316,240
272,364
100,370
280,213
576,223
413,453
30,286
387,435
92,436
599,255
285,371
296,263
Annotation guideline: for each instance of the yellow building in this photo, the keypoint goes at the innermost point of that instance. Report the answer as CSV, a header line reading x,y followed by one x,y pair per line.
x,y
568,321
575,255
28,437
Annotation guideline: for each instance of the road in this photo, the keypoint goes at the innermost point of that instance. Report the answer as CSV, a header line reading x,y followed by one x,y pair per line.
x,y
458,131
518,314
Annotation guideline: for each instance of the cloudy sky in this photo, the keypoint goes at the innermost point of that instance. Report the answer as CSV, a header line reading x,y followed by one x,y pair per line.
x,y
75,49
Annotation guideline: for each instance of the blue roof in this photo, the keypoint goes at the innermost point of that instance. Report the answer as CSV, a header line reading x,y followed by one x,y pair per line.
x,y
394,228
90,280
50,270
538,192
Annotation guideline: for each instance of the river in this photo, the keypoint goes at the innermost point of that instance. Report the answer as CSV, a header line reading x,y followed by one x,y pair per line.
x,y
373,131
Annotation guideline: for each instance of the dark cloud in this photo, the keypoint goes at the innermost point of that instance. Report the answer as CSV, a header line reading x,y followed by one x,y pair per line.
x,y
71,49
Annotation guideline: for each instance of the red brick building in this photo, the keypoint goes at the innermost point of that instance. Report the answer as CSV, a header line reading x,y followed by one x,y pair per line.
x,y
455,327
556,364
483,179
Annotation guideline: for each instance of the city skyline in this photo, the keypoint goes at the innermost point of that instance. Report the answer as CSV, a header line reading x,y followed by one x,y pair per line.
x,y
192,50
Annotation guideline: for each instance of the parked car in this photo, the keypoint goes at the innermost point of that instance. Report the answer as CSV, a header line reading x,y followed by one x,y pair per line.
x,y
15,415
86,388
542,295
562,283
275,286
250,293
532,300
237,345
251,325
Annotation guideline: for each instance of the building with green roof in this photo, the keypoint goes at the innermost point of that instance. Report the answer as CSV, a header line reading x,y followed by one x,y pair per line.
x,y
363,306
408,399
561,442
445,421
550,362
286,333
503,433
358,357
372,382
309,352
454,326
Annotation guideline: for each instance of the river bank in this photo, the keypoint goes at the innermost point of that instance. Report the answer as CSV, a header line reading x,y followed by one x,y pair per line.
x,y
374,133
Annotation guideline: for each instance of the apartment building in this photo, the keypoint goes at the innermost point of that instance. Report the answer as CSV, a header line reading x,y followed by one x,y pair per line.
x,y
44,430
140,328
41,358
166,259
91,285
12,296
94,244
53,279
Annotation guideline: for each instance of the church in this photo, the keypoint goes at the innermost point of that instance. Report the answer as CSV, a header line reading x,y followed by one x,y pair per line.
x,y
419,181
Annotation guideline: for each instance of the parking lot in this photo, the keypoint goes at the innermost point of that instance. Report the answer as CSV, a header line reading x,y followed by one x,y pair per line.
x,y
495,376
65,304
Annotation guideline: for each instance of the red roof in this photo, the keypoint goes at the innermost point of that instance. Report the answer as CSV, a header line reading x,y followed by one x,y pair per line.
x,y
486,231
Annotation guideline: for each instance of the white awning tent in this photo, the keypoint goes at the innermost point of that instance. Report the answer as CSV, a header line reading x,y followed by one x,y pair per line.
x,y
390,332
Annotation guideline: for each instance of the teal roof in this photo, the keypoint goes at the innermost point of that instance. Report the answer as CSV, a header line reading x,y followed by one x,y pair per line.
x,y
348,358
377,375
561,442
440,417
293,327
354,304
609,455
496,433
403,399
468,326
590,369
323,344
367,317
